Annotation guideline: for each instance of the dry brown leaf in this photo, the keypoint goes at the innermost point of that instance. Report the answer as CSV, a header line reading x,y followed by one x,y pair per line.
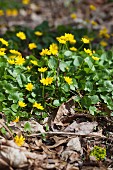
x,y
83,128
13,155
74,144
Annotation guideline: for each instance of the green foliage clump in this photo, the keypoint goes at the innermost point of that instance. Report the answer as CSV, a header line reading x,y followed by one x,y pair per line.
x,y
99,153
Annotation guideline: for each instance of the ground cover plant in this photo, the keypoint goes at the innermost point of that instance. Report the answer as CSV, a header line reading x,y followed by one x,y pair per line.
x,y
56,98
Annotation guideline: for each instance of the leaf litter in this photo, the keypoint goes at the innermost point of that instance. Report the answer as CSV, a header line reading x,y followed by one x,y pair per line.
x,y
65,146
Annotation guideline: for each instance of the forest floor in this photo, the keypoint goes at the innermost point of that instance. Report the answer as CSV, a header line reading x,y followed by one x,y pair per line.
x,y
72,134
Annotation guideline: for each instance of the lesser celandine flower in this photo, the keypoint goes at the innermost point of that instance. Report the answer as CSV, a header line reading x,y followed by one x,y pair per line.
x,y
32,46
16,120
34,62
85,40
42,69
38,106
22,104
61,40
45,52
1,12
88,51
25,2
53,49
66,38
68,80
11,61
19,140
4,42
29,87
70,37
15,52
104,33
73,49
73,16
95,58
38,33
2,53
21,35
46,81
94,23
3,49
92,7
103,43
19,60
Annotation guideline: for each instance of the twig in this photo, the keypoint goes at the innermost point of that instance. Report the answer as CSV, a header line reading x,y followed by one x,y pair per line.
x,y
69,133
3,124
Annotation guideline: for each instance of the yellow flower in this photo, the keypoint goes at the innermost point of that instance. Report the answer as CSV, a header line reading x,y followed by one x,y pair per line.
x,y
32,46
53,49
38,33
11,61
25,2
16,120
38,106
2,53
29,68
104,33
73,49
1,12
61,40
65,38
21,35
46,81
19,60
3,49
8,12
73,16
4,42
88,51
92,7
103,43
42,69
34,62
14,12
29,87
94,23
85,40
19,140
95,58
22,104
68,80
70,38
15,52
45,52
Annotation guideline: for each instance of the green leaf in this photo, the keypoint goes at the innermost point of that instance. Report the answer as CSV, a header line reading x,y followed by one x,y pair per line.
x,y
78,61
2,97
3,131
52,63
108,101
67,53
65,87
56,103
14,107
27,127
108,85
88,60
94,99
92,110
62,66
15,96
88,86
19,80
86,102
31,100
